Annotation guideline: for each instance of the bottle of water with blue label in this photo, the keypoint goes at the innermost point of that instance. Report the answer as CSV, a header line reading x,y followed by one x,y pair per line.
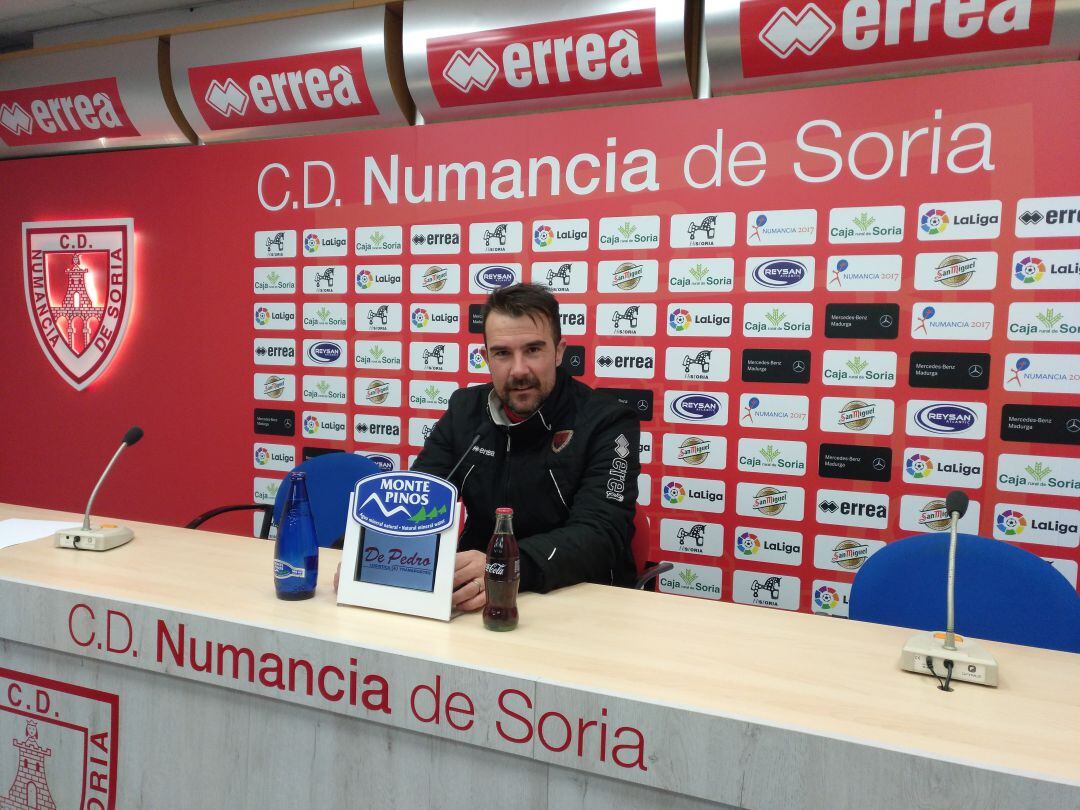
x,y
296,556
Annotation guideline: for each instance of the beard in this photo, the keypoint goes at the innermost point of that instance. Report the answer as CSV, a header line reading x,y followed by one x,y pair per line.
x,y
522,395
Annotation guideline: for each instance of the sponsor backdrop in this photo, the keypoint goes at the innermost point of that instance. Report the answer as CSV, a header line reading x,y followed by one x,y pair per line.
x,y
828,312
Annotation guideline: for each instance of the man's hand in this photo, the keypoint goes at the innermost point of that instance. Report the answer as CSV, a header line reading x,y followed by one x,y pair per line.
x,y
469,593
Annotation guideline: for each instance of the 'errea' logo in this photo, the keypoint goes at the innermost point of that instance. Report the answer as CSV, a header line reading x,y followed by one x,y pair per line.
x,y
63,113
778,37
282,90
597,54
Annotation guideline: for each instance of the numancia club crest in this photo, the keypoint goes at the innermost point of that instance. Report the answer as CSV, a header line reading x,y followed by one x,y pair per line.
x,y
58,744
79,279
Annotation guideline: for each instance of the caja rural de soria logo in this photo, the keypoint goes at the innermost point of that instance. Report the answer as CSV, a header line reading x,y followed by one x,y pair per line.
x,y
934,221
1029,270
919,466
674,492
679,319
748,544
544,236
1011,522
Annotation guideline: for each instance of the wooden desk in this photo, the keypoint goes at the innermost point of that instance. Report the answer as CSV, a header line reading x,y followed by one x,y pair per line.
x,y
601,698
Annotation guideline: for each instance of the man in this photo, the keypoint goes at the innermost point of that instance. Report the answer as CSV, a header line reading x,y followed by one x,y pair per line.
x,y
564,457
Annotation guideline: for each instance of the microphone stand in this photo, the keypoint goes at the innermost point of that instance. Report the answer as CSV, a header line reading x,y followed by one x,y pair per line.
x,y
947,656
106,536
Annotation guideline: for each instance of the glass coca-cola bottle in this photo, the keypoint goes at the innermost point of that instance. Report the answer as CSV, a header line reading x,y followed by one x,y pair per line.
x,y
503,574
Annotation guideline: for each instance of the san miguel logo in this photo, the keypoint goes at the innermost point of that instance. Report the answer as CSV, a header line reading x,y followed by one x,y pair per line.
x,y
63,113
283,90
780,36
79,288
605,53
63,744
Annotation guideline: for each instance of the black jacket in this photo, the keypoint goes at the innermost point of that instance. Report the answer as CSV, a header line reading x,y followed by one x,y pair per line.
x,y
569,472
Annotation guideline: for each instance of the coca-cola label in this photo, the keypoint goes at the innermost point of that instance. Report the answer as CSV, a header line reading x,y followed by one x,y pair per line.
x,y
63,113
600,54
779,36
282,90
498,569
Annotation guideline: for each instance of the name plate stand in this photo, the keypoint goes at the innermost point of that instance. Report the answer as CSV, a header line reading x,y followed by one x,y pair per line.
x,y
400,543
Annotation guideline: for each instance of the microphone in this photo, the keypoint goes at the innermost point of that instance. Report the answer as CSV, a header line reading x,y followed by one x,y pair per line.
x,y
464,455
108,535
966,661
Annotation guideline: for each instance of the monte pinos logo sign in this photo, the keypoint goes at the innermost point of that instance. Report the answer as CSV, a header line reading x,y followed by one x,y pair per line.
x,y
79,281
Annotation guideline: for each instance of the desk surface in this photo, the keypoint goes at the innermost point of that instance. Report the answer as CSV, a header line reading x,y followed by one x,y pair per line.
x,y
824,676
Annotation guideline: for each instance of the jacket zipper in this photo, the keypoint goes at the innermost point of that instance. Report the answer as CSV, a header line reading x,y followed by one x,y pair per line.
x,y
557,490
461,489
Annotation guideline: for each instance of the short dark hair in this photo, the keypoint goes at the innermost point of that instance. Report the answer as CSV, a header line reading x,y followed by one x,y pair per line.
x,y
520,300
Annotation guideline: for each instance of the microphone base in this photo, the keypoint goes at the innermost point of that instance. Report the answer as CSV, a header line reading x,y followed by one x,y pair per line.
x,y
100,539
971,663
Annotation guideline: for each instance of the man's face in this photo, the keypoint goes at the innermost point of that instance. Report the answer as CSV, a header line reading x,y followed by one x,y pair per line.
x,y
522,356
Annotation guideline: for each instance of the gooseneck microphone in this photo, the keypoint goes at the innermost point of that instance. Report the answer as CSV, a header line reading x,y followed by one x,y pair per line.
x,y
105,537
956,504
945,655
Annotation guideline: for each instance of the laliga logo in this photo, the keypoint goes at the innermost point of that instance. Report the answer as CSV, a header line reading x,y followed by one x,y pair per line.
x,y
1029,270
826,597
420,318
15,119
262,456
311,426
919,466
679,319
748,544
1011,522
227,98
311,243
543,236
674,492
465,72
476,360
786,32
934,221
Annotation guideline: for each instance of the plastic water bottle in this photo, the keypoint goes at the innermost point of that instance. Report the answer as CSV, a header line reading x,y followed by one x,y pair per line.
x,y
503,574
296,555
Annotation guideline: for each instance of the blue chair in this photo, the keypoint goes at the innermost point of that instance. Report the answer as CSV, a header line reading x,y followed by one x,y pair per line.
x,y
1003,593
331,478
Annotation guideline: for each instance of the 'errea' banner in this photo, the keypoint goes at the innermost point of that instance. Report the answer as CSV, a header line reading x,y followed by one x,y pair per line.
x,y
778,36
608,52
57,113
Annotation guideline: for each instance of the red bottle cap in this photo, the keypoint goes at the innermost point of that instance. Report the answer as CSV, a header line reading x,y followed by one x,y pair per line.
x,y
504,510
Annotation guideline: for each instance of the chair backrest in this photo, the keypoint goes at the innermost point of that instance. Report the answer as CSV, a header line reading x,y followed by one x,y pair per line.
x,y
1003,593
330,478
639,543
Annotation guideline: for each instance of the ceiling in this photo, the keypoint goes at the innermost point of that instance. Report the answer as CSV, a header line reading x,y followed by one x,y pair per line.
x,y
26,23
